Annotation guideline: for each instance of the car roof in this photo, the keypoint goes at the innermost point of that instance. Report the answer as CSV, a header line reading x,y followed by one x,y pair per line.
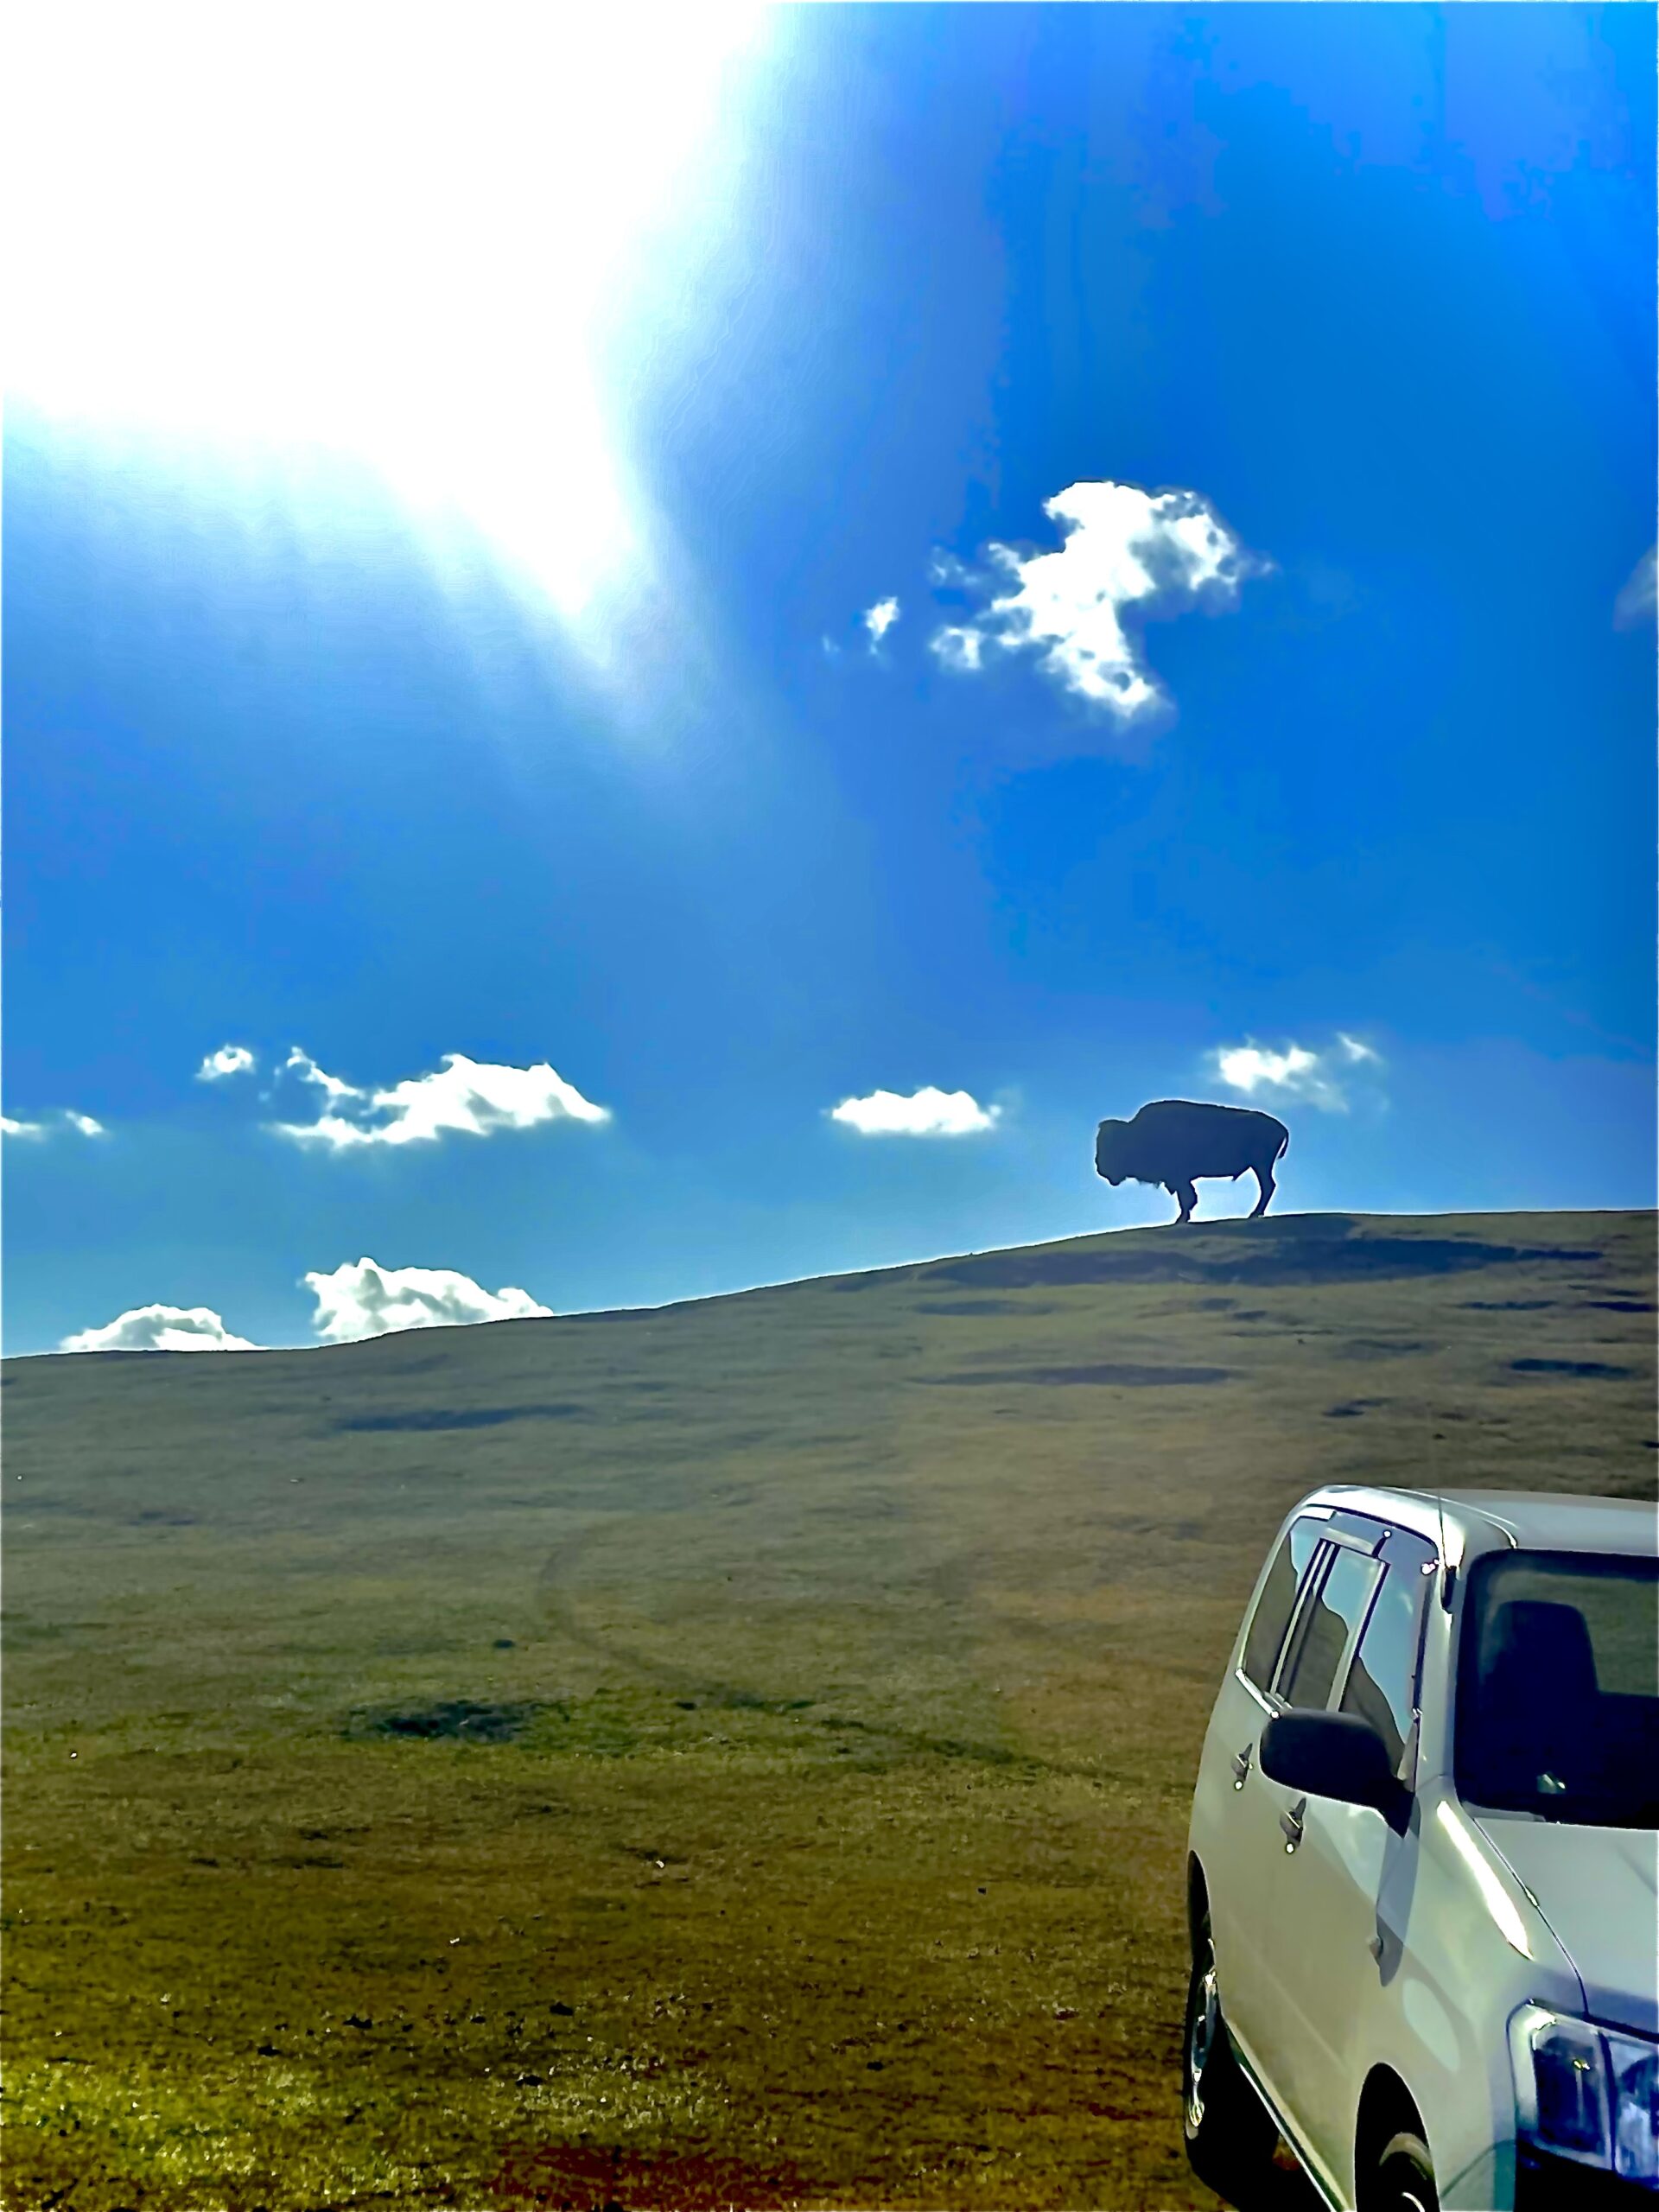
x,y
1481,1521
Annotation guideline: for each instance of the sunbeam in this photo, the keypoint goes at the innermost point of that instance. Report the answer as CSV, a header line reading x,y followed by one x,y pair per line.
x,y
405,234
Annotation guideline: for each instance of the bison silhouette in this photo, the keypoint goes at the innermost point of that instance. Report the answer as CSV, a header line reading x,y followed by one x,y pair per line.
x,y
1175,1141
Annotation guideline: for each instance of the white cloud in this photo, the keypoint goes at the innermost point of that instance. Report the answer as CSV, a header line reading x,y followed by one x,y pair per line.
x,y
1296,1072
309,1071
229,1060
367,1300
946,573
65,1117
1635,603
160,1328
1123,548
475,1097
959,648
880,618
926,1113
1248,1067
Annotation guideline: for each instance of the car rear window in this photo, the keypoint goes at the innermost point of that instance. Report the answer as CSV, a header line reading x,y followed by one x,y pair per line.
x,y
1273,1607
1338,1606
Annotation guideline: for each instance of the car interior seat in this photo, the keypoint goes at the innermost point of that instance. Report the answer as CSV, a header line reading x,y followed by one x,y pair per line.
x,y
1537,1713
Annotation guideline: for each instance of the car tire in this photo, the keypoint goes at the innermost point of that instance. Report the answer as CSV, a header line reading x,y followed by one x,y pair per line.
x,y
1230,2138
1403,2179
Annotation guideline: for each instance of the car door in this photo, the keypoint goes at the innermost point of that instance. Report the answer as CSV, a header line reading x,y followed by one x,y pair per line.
x,y
1240,1840
1345,1885
1311,1668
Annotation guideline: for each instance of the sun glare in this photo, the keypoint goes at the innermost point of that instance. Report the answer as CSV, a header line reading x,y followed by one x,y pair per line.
x,y
405,234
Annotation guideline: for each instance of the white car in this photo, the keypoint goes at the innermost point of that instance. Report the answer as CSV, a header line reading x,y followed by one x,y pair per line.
x,y
1423,1866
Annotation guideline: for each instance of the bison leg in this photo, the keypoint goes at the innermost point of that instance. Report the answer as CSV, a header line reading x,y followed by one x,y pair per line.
x,y
1185,1197
1264,1177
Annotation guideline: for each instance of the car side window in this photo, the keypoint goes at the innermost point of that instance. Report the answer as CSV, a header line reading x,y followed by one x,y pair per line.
x,y
1381,1684
1328,1622
1278,1600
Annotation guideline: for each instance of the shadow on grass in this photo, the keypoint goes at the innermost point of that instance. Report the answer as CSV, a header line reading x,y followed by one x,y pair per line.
x,y
1310,1249
1122,1377
1591,1367
457,1417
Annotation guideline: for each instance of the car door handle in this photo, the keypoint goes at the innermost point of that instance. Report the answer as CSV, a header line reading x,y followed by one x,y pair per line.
x,y
1290,1822
1241,1765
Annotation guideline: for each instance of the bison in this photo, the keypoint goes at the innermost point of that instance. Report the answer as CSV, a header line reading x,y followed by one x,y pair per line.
x,y
1174,1140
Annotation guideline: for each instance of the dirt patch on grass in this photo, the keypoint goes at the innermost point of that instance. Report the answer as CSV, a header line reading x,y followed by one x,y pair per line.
x,y
585,2177
460,1719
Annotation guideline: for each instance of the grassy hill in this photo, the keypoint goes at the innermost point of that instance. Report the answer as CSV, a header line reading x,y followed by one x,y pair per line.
x,y
737,1753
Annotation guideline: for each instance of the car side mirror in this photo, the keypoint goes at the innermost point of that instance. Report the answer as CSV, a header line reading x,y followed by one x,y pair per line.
x,y
1333,1755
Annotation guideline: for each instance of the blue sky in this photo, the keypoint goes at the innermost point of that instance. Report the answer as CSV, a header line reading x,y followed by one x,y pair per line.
x,y
437,626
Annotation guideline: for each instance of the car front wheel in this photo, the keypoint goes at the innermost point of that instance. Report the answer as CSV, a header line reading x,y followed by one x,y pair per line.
x,y
1403,2177
1230,2138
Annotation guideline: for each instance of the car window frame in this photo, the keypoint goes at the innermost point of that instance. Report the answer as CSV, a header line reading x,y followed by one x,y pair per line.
x,y
1426,1568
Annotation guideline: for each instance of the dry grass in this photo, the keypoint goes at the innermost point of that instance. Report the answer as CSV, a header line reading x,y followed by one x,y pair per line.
x,y
733,1755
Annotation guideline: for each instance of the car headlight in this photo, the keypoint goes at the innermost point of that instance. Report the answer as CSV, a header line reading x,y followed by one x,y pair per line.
x,y
1586,2093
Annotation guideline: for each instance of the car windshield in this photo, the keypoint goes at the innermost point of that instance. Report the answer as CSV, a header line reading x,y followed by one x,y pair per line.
x,y
1558,1698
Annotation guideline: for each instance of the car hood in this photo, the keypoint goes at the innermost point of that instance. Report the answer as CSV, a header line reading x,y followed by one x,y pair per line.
x,y
1598,1889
